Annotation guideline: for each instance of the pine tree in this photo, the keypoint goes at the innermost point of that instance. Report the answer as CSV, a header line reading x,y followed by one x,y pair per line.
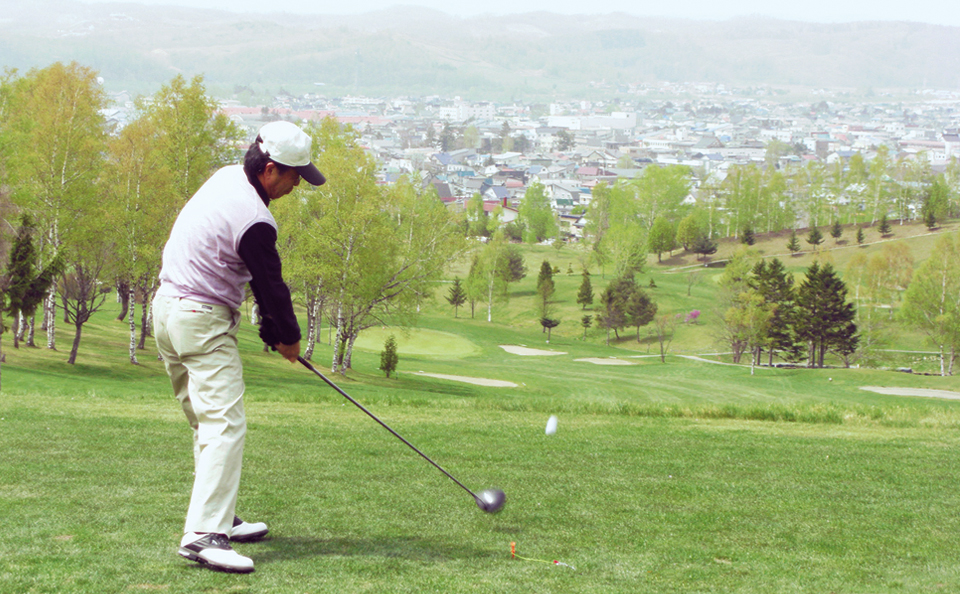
x,y
545,289
585,294
612,314
640,310
860,236
836,231
704,246
457,295
546,273
548,325
815,238
747,236
389,357
884,227
794,244
586,321
824,318
775,285
28,285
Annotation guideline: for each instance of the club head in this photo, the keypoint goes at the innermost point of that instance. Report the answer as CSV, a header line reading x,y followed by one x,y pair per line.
x,y
491,500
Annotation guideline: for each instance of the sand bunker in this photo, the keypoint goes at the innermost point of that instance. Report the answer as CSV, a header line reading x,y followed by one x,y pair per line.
x,y
599,361
479,381
923,392
519,350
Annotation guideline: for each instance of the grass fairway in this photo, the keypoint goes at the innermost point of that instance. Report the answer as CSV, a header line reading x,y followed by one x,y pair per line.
x,y
94,496
680,476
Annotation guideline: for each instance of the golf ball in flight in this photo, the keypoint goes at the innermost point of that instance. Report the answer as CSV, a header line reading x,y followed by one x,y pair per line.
x,y
551,425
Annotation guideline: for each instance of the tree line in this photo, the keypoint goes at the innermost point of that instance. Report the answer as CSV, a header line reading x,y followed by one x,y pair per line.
x,y
673,207
89,205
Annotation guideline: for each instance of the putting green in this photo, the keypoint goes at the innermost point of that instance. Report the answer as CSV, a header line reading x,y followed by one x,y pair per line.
x,y
415,341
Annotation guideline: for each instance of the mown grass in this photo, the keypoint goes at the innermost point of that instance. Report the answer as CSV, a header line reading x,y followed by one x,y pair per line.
x,y
676,476
94,498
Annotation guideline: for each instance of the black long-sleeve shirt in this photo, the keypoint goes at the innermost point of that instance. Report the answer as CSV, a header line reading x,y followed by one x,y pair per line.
x,y
258,249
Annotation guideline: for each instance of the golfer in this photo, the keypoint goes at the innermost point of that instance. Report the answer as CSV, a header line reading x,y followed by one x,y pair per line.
x,y
224,238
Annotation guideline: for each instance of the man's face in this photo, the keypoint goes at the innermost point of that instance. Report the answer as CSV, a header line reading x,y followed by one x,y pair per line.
x,y
278,184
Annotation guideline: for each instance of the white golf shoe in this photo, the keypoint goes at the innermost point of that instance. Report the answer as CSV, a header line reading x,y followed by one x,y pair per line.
x,y
247,531
214,551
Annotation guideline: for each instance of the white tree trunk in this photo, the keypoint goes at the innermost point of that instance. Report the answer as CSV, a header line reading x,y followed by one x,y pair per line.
x,y
338,338
21,326
349,354
133,328
31,334
51,308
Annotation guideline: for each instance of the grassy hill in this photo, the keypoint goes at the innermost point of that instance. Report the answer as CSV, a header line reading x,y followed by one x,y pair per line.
x,y
682,476
466,345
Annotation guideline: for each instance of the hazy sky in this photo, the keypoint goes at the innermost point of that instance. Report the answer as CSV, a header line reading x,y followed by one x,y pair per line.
x,y
941,12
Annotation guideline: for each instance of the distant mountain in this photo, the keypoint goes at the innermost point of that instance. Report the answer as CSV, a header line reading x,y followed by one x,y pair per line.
x,y
416,51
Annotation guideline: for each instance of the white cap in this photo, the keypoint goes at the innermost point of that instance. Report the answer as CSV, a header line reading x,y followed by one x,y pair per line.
x,y
288,145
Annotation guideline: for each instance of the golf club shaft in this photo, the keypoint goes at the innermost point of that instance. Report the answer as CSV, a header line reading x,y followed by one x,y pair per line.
x,y
384,425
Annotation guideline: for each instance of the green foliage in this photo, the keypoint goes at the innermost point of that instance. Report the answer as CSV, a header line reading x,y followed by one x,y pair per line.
x,y
691,228
564,141
624,304
389,357
27,282
536,216
479,220
549,324
585,292
615,230
815,237
775,285
545,289
860,236
936,202
825,320
836,230
794,243
546,274
194,137
457,295
57,124
586,322
747,236
930,302
659,192
639,310
373,252
662,237
703,246
884,226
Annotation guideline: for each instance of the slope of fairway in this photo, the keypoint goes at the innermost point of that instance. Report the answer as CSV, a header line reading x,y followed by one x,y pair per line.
x,y
417,341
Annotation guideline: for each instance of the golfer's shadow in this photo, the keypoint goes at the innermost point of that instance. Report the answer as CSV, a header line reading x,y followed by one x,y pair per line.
x,y
286,548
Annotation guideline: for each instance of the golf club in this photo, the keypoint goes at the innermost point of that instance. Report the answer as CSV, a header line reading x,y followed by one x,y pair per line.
x,y
489,500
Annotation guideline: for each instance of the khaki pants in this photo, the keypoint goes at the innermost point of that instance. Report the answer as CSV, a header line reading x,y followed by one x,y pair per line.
x,y
198,343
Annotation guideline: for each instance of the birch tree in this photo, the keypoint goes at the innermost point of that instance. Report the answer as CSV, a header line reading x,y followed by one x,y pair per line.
x,y
932,301
180,138
139,187
57,125
376,251
194,138
878,185
88,256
